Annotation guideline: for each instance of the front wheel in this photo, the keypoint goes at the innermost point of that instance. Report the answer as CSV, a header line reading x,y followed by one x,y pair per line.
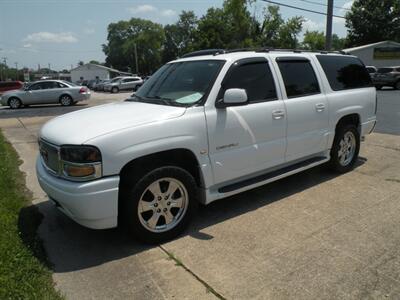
x,y
14,103
345,149
161,204
114,90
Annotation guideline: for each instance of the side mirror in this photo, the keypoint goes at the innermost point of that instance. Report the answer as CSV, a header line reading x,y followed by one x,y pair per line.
x,y
233,97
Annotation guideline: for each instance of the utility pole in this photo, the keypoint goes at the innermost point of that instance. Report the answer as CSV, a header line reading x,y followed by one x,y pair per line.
x,y
5,68
16,71
328,32
49,68
136,60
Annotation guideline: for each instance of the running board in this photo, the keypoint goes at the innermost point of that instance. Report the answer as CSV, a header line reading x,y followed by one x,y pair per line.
x,y
274,175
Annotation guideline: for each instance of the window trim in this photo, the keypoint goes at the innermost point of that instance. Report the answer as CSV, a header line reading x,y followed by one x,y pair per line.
x,y
243,62
289,59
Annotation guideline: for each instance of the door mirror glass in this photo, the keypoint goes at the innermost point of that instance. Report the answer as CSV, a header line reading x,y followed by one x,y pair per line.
x,y
234,97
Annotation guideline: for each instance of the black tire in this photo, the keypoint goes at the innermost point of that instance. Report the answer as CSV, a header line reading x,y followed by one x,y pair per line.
x,y
132,196
335,161
397,85
378,87
114,90
66,100
14,103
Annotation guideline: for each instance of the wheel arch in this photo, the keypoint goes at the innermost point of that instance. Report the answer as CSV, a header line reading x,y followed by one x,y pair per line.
x,y
16,97
353,118
65,94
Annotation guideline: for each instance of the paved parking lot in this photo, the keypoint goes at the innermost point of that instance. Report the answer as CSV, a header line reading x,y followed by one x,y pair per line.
x,y
314,235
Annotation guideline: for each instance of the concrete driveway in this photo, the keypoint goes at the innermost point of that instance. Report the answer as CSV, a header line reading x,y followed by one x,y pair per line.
x,y
314,235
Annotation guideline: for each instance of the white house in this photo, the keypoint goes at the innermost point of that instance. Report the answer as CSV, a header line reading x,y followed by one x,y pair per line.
x,y
93,71
382,54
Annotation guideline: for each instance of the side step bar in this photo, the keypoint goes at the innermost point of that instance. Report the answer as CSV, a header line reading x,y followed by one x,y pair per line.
x,y
289,170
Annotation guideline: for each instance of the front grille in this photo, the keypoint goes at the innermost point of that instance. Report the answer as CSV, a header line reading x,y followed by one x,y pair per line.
x,y
49,154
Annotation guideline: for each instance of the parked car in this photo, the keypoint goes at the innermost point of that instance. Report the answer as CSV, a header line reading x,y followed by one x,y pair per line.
x,y
205,127
46,92
10,85
124,83
100,85
387,76
371,70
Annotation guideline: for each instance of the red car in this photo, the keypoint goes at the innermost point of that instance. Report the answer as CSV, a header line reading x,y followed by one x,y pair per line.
x,y
10,85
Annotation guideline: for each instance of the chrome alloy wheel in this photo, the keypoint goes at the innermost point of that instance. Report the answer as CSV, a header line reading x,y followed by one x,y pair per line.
x,y
14,103
163,204
66,100
347,148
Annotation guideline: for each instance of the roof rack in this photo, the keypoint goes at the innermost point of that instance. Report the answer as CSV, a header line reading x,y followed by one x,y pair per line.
x,y
264,49
204,52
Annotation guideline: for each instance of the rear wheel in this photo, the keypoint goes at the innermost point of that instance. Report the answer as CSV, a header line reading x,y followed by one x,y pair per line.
x,y
345,149
66,100
14,103
161,204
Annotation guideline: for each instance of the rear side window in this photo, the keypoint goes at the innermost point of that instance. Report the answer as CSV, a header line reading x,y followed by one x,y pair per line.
x,y
385,70
255,78
298,76
344,72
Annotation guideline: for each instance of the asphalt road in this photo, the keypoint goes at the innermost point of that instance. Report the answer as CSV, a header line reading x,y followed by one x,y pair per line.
x,y
388,113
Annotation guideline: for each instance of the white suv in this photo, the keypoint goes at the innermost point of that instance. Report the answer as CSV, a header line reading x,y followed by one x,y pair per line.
x,y
204,127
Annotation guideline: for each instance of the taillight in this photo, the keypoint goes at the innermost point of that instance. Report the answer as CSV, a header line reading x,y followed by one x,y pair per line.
x,y
82,90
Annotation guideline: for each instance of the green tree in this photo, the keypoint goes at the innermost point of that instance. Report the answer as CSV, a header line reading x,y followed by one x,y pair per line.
x,y
124,36
314,40
371,21
337,42
289,31
180,37
95,62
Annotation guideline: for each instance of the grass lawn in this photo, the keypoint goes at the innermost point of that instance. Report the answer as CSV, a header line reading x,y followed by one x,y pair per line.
x,y
23,270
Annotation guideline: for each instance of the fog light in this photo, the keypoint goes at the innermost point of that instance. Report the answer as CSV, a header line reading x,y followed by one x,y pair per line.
x,y
79,171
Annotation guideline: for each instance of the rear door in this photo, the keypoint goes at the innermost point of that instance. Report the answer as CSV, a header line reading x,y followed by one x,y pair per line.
x,y
250,138
306,108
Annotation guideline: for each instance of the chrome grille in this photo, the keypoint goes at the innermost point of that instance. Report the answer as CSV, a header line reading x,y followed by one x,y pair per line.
x,y
49,154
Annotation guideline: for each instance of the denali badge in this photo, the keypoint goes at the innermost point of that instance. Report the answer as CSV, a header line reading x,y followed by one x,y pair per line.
x,y
227,146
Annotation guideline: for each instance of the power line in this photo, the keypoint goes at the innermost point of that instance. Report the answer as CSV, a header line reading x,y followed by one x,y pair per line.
x,y
323,4
303,9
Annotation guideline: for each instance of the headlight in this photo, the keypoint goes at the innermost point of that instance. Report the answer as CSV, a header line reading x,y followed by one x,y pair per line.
x,y
80,162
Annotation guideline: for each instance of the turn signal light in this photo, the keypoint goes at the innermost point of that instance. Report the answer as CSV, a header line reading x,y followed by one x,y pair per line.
x,y
79,171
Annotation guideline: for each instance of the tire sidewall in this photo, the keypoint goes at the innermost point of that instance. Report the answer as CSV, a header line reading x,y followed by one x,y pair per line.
x,y
114,90
334,162
132,197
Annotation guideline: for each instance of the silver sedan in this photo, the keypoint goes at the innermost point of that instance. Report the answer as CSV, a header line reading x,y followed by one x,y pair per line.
x,y
46,92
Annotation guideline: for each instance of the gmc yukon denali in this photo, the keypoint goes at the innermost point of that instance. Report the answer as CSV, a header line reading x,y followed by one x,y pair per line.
x,y
204,127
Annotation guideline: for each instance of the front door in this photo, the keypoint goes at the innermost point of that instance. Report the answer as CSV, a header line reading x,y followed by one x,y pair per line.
x,y
247,139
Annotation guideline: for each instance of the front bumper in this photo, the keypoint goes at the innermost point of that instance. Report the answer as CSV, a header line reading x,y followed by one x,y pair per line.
x,y
93,204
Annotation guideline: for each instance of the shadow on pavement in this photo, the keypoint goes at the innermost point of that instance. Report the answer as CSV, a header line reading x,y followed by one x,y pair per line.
x,y
71,247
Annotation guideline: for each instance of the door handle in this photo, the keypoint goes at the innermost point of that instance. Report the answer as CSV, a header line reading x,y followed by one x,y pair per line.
x,y
278,114
319,107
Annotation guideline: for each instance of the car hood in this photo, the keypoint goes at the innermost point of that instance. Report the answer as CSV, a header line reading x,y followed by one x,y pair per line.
x,y
83,125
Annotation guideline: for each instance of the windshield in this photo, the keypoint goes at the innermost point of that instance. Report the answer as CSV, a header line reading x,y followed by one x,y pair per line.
x,y
385,70
180,83
115,79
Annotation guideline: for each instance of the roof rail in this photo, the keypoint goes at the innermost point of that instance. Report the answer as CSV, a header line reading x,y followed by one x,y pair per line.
x,y
265,49
204,52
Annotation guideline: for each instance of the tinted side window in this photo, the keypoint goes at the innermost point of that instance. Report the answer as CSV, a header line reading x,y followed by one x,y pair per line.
x,y
255,78
344,72
299,78
36,86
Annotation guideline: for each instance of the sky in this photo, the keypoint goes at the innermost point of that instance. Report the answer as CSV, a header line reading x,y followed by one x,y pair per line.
x,y
63,32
